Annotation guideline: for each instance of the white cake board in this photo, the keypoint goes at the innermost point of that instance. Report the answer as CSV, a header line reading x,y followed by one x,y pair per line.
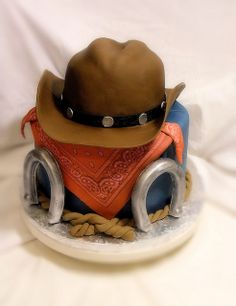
x,y
165,236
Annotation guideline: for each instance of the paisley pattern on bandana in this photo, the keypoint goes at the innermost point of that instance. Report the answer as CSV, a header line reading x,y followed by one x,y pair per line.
x,y
103,178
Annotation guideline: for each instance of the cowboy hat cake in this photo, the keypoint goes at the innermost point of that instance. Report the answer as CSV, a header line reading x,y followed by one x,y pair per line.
x,y
102,126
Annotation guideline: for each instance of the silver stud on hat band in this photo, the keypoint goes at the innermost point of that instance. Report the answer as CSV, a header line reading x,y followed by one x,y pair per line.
x,y
69,112
107,121
142,119
163,105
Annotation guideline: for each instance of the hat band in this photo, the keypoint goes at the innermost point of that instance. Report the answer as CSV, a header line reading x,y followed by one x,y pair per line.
x,y
107,121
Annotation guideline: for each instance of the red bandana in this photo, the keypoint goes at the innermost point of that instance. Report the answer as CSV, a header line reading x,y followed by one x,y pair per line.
x,y
103,178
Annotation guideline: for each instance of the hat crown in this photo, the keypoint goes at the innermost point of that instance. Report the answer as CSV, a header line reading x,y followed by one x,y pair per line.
x,y
116,79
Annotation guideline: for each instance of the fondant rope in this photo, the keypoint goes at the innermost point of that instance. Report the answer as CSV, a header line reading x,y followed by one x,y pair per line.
x,y
115,227
188,182
91,223
159,214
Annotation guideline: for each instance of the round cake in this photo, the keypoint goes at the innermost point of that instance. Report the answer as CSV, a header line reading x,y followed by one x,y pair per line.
x,y
110,143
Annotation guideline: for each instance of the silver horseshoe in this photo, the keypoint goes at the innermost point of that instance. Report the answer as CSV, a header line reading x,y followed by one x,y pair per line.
x,y
33,159
143,183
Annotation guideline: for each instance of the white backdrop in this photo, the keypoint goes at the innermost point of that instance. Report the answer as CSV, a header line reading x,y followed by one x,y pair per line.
x,y
197,42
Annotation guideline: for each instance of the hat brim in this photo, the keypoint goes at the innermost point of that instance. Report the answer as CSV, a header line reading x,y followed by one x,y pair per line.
x,y
63,130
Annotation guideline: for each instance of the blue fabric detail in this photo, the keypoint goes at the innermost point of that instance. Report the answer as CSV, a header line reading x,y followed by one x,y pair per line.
x,y
179,114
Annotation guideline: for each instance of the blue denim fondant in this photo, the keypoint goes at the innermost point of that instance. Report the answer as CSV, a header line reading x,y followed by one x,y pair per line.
x,y
179,114
159,193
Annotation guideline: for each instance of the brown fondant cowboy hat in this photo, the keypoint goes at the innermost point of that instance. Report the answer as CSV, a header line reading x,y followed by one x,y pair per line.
x,y
113,95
